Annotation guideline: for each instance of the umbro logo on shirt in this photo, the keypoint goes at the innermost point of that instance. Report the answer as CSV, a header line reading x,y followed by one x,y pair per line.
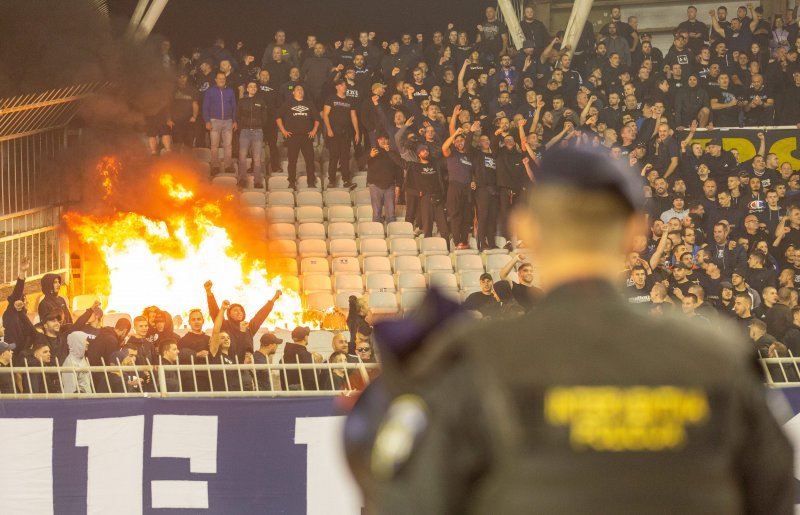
x,y
299,109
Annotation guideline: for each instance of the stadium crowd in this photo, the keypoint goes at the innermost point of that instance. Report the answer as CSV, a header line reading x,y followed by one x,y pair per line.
x,y
454,127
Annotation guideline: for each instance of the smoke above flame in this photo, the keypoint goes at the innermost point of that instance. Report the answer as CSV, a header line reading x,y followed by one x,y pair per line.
x,y
166,234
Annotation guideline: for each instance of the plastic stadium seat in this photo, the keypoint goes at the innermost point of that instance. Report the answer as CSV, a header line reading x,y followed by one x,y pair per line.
x,y
253,198
497,261
202,154
433,246
338,198
341,230
443,280
438,264
451,293
310,214
81,303
280,198
362,198
470,279
283,266
321,301
360,181
280,214
290,283
302,185
309,198
403,247
255,213
311,231
343,298
411,299
348,282
345,265
380,282
315,266
312,248
371,230
278,183
340,214
377,264
281,231
343,248
317,283
407,264
225,181
400,230
383,303
110,319
411,281
282,248
469,262
204,169
373,247
364,213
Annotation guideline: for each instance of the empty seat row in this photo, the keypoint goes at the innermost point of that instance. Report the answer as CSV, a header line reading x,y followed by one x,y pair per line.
x,y
307,198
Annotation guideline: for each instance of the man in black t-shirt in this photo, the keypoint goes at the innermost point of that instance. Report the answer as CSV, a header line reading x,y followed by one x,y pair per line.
x,y
273,101
184,111
524,292
298,121
759,107
341,124
494,35
725,102
486,301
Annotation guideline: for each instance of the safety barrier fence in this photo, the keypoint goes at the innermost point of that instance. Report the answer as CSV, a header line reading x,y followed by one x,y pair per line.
x,y
781,372
221,380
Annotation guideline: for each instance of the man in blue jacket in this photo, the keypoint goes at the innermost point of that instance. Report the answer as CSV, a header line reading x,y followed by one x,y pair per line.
x,y
219,109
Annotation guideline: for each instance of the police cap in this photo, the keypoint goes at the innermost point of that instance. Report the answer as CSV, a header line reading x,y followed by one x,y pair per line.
x,y
589,169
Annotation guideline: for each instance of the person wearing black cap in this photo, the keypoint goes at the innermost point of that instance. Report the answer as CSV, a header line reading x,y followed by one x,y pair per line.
x,y
268,346
539,427
485,301
7,383
341,129
720,162
296,352
678,208
692,104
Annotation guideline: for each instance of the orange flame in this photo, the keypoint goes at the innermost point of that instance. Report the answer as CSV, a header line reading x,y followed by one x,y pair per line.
x,y
109,168
164,262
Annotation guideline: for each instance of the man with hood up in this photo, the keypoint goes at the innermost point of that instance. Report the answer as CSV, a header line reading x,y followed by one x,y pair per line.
x,y
102,350
51,283
18,327
240,331
77,382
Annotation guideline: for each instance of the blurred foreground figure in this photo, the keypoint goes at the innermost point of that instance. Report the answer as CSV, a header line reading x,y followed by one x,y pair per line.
x,y
583,405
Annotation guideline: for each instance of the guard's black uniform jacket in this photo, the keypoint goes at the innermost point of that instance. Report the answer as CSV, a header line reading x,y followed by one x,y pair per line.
x,y
583,406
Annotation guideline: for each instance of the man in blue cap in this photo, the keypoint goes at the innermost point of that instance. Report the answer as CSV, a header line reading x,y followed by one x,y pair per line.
x,y
583,405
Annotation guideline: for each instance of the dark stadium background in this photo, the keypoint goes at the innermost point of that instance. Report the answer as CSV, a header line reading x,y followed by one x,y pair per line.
x,y
197,22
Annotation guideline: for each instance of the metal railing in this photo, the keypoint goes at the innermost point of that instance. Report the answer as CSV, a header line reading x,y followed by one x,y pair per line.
x,y
188,380
33,233
781,372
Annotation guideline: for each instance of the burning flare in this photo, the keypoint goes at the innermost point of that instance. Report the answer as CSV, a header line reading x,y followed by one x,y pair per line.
x,y
164,262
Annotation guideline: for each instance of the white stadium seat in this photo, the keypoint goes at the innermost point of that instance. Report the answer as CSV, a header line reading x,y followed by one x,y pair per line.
x,y
383,303
280,198
338,198
411,281
360,181
443,280
310,214
407,264
255,213
253,198
433,246
343,299
403,247
340,214
349,282
314,283
311,231
225,182
280,214
371,230
469,262
344,248
497,261
309,198
362,198
203,154
281,231
278,183
411,299
438,264
341,231
313,248
470,279
380,282
315,266
364,213
373,247
377,264
345,265
400,230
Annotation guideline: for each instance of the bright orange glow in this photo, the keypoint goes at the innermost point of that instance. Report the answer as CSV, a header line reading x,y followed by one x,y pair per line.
x,y
165,260
108,168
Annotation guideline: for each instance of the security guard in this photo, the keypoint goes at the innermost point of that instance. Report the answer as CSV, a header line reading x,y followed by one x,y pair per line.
x,y
583,406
